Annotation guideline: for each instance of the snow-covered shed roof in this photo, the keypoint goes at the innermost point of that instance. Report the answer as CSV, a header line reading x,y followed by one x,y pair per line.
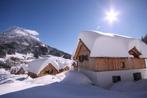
x,y
111,45
58,62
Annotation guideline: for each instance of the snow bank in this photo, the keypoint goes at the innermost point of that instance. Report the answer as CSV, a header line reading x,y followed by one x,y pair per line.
x,y
15,86
57,90
2,59
130,86
3,71
4,75
70,88
136,89
74,77
13,83
9,78
44,80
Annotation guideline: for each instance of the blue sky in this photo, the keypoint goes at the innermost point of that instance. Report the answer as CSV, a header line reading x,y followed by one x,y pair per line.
x,y
60,21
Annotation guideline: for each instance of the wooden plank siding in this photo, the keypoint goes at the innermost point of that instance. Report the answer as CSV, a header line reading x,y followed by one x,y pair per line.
x,y
107,63
112,64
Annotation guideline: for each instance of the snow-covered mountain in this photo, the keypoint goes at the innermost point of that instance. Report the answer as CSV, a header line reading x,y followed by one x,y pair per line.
x,y
21,40
21,32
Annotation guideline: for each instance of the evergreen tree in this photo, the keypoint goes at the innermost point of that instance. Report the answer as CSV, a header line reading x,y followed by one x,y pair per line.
x,y
144,39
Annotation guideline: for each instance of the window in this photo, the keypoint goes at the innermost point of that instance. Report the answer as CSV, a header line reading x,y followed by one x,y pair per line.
x,y
137,76
86,57
123,65
50,71
116,79
83,58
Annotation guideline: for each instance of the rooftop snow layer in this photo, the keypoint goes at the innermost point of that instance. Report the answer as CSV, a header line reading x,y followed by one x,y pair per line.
x,y
111,45
58,62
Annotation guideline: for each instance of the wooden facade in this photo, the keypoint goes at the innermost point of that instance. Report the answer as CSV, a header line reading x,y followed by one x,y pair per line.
x,y
49,69
20,71
32,75
82,55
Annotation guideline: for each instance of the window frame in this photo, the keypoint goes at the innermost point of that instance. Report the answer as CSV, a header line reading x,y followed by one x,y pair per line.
x,y
116,79
137,76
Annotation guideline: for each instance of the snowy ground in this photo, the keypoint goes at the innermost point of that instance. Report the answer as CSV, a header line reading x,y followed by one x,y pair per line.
x,y
11,83
68,85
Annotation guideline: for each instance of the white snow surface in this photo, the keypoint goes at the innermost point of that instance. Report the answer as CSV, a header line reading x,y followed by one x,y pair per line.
x,y
73,77
22,31
57,86
19,55
58,62
32,32
111,45
136,89
3,71
17,31
130,86
12,83
2,59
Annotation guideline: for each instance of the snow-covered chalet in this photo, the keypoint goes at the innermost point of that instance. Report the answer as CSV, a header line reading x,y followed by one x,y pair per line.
x,y
48,65
109,58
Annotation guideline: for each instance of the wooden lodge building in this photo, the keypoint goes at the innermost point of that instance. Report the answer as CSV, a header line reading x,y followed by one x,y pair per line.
x,y
49,65
108,58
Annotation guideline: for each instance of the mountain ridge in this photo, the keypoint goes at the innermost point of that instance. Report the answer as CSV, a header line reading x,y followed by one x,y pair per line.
x,y
21,40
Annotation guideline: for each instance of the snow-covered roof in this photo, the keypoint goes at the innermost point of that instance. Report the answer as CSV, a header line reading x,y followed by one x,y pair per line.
x,y
58,62
111,45
16,68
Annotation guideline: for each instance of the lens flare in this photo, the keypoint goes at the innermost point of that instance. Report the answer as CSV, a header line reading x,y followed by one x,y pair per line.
x,y
111,16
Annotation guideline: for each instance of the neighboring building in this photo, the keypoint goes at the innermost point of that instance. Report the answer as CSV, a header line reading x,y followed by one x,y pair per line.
x,y
17,70
48,65
108,58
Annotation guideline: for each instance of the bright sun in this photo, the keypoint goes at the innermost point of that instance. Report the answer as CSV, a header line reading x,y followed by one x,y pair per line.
x,y
111,16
